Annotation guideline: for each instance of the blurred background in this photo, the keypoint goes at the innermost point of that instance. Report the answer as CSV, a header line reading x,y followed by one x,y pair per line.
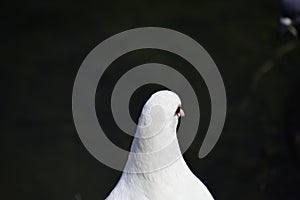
x,y
44,43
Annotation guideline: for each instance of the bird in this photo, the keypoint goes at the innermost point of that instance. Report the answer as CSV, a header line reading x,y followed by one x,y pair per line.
x,y
290,17
156,169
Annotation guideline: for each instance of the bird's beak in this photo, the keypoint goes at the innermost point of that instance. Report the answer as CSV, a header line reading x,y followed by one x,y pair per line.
x,y
181,113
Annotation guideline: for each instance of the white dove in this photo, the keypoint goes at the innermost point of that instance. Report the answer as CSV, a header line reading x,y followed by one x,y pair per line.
x,y
155,169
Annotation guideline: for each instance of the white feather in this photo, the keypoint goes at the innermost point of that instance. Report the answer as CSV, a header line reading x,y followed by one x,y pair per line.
x,y
148,174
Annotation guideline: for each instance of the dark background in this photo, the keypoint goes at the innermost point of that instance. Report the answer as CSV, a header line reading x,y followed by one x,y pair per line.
x,y
44,42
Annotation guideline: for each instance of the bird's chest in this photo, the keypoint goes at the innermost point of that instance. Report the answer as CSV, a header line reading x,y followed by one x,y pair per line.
x,y
167,186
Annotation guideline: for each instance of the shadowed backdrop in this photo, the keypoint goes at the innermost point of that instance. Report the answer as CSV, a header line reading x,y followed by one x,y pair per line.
x,y
44,42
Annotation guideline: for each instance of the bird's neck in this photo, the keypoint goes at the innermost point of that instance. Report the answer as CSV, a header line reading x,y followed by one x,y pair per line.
x,y
154,153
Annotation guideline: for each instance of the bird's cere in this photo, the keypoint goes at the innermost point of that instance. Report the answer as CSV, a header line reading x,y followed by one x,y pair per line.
x,y
182,114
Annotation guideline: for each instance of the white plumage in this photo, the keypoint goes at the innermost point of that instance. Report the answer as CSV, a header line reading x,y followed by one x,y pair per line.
x,y
148,174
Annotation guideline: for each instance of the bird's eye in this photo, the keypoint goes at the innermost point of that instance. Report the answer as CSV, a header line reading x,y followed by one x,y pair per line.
x,y
177,110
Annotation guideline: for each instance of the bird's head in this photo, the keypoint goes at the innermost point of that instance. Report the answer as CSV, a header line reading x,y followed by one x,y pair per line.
x,y
290,17
161,112
289,25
